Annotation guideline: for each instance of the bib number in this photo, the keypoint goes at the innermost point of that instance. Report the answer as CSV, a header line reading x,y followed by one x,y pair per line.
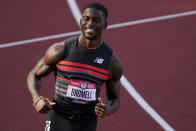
x,y
81,91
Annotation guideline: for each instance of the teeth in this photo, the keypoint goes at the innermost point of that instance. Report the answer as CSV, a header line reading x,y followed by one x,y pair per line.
x,y
90,30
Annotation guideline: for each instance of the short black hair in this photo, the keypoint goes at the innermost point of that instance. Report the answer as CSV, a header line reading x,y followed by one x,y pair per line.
x,y
97,6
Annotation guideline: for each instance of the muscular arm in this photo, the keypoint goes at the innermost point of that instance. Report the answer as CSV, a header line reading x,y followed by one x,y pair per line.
x,y
43,68
113,85
112,90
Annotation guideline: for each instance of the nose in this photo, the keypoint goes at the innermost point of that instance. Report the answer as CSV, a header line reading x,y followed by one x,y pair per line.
x,y
91,21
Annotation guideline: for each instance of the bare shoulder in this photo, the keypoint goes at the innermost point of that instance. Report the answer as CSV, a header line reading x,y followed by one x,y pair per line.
x,y
116,68
54,53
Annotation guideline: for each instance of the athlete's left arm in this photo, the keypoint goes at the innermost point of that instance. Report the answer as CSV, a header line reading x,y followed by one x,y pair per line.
x,y
112,90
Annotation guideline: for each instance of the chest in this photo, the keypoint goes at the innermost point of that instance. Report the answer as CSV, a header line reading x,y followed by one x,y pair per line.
x,y
99,58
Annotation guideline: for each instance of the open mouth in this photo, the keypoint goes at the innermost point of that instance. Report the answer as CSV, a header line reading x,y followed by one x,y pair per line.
x,y
90,30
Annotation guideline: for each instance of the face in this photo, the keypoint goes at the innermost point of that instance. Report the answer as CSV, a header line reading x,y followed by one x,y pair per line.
x,y
92,23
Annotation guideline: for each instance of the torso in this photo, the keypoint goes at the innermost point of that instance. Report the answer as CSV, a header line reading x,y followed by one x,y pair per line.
x,y
80,73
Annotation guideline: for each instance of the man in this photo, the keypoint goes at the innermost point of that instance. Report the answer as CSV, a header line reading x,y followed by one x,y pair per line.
x,y
81,65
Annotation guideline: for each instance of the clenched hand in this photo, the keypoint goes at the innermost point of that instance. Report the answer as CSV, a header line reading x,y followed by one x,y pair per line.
x,y
101,109
44,105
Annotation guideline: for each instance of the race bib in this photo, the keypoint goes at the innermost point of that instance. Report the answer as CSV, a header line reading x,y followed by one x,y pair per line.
x,y
81,91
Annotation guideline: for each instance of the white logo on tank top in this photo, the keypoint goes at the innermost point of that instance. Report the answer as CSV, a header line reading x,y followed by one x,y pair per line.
x,y
99,60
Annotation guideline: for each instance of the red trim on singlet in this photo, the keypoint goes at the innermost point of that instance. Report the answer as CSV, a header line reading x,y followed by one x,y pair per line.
x,y
84,65
83,70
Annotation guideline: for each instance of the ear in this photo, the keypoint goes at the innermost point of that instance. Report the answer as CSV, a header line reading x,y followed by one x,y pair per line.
x,y
80,22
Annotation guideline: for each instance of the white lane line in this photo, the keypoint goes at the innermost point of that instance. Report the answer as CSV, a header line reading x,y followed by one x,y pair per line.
x,y
130,23
153,19
131,90
30,41
75,10
138,98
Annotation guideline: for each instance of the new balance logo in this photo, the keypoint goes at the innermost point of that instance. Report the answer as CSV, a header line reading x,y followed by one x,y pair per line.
x,y
99,60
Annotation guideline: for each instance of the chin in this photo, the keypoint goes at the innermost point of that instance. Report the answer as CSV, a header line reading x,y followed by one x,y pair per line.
x,y
90,37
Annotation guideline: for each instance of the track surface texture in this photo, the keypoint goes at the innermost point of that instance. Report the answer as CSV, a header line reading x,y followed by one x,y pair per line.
x,y
159,60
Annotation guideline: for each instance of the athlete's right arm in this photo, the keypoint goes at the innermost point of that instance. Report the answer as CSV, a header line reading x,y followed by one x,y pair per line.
x,y
41,69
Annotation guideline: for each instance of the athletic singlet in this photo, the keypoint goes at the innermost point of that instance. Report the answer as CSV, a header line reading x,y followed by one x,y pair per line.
x,y
79,77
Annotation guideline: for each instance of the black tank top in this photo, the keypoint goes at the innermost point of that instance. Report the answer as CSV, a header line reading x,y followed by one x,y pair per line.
x,y
79,77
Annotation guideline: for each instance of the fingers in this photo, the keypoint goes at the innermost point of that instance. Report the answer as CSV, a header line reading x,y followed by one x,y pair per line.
x,y
100,111
100,100
44,105
50,102
100,108
44,109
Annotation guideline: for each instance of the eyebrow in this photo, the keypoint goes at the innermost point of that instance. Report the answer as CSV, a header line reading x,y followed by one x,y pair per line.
x,y
90,16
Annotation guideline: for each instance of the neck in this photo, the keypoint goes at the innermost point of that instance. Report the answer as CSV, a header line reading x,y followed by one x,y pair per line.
x,y
90,44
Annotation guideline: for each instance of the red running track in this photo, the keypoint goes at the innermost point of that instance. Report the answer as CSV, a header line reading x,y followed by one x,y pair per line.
x,y
158,58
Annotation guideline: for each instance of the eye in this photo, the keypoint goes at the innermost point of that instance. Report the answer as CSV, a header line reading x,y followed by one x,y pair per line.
x,y
92,19
97,20
86,18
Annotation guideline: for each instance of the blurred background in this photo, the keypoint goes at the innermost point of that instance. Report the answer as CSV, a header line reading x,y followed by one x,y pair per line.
x,y
158,56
